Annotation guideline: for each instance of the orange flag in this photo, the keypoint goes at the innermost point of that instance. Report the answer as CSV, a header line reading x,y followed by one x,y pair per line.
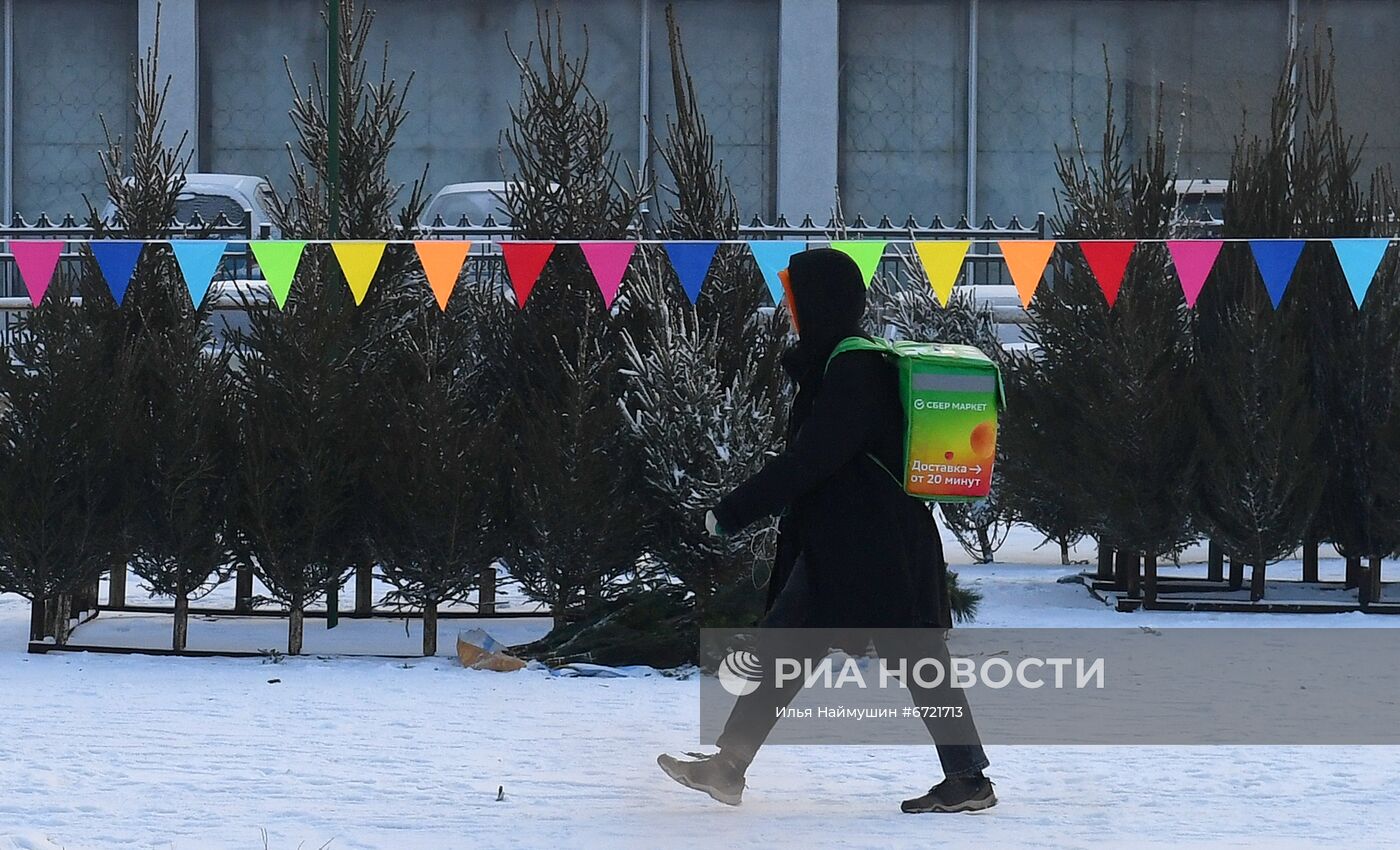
x,y
442,261
1026,259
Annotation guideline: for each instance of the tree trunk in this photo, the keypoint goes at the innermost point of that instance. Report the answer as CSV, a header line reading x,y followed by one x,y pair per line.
x,y
1134,576
364,590
116,587
486,591
296,625
1256,582
1215,562
1310,559
1236,573
181,636
1353,578
85,597
333,603
243,589
1105,572
37,620
984,542
1120,570
430,628
60,616
1064,551
1149,579
1375,577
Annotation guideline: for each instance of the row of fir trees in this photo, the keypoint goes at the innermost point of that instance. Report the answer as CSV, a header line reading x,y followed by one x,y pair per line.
x,y
576,445
1261,429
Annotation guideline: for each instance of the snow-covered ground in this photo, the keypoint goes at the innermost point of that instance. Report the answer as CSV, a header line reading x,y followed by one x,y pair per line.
x,y
105,751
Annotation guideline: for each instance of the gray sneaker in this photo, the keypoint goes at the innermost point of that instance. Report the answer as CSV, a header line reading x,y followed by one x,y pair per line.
x,y
714,774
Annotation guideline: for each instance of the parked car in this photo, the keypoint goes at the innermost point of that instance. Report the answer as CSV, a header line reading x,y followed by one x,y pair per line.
x,y
472,201
1201,203
240,197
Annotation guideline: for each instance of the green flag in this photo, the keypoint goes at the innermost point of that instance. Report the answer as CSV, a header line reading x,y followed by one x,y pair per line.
x,y
867,255
278,260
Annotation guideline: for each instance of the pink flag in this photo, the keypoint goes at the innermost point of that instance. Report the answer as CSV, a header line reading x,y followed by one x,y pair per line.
x,y
1194,259
608,260
37,261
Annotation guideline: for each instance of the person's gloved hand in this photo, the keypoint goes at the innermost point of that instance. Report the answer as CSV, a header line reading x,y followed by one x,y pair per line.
x,y
712,525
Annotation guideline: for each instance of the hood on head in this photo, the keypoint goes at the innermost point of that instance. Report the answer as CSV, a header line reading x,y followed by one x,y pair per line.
x,y
828,294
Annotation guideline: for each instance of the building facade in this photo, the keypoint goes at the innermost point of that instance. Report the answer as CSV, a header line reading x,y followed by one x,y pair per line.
x,y
910,107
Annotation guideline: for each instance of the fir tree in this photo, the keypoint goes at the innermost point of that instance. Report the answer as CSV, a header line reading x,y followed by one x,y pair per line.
x,y
1102,396
574,527
305,434
435,516
1258,424
60,487
1353,376
1141,463
705,407
177,434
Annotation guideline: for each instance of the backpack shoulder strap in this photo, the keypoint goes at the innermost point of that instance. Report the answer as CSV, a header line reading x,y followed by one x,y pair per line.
x,y
859,343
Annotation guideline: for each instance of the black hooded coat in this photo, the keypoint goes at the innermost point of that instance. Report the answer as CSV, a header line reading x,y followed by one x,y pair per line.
x,y
871,552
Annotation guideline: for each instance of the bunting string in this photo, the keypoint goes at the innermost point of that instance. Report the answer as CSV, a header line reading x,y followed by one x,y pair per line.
x,y
942,261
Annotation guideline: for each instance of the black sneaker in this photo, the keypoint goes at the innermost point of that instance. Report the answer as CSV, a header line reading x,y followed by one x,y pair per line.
x,y
713,774
959,794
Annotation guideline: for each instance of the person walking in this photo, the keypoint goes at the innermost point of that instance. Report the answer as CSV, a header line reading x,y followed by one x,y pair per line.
x,y
854,550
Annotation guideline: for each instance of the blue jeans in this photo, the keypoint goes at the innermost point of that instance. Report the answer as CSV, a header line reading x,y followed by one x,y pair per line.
x,y
755,714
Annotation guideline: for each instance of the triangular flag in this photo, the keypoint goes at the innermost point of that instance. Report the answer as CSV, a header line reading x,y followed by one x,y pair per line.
x,y
117,259
608,260
1276,259
942,261
691,260
359,261
1360,258
37,262
1109,262
772,256
524,263
1026,259
278,261
198,260
1193,258
867,255
442,261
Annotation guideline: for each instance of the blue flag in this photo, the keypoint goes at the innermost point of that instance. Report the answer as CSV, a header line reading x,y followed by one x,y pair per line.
x,y
1276,259
773,257
117,260
199,261
1360,258
691,260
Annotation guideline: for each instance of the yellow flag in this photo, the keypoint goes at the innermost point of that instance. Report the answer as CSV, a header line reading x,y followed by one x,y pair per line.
x,y
359,261
942,262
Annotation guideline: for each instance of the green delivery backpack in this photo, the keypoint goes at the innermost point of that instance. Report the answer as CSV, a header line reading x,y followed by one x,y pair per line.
x,y
951,396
